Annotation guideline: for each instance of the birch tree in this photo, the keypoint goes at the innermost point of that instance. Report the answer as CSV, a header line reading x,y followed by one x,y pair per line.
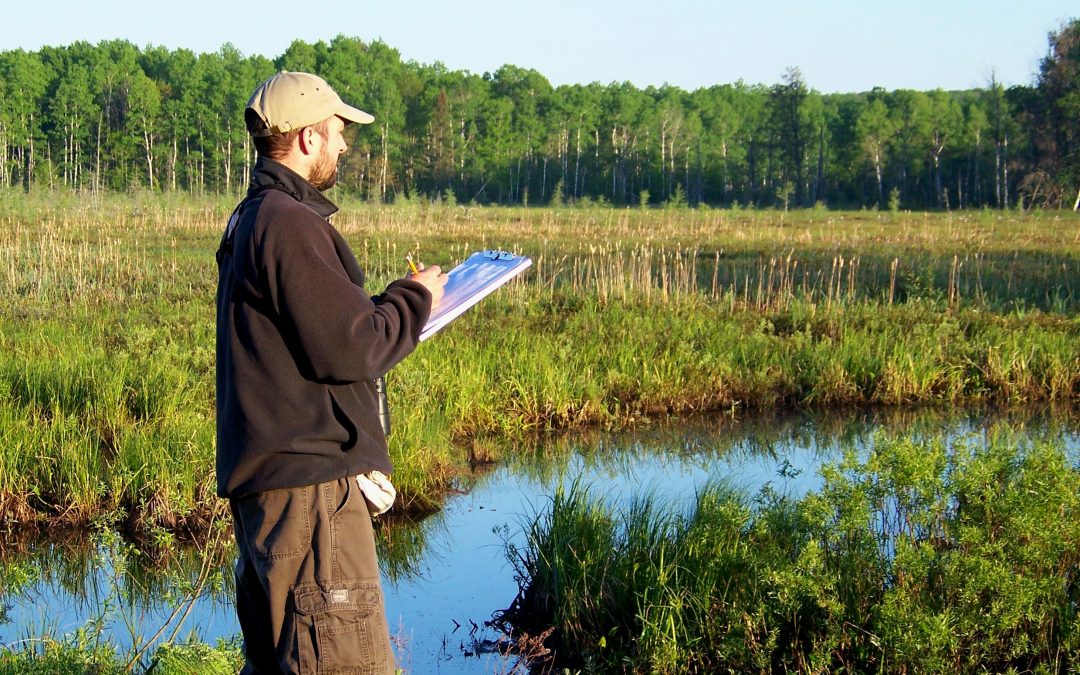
x,y
874,130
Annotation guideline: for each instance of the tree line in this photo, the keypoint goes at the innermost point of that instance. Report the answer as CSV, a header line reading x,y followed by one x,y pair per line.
x,y
113,116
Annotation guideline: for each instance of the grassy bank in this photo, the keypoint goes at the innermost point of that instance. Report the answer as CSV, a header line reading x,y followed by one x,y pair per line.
x,y
921,557
106,331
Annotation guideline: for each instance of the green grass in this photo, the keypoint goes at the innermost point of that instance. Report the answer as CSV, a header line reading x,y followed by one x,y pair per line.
x,y
106,331
77,656
921,557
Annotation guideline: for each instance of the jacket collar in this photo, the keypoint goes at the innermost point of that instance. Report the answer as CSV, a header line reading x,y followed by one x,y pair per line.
x,y
275,175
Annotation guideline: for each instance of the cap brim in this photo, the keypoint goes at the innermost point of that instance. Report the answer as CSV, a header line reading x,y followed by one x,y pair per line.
x,y
351,114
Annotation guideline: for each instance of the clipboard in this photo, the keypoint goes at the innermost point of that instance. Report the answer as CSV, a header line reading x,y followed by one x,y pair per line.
x,y
470,282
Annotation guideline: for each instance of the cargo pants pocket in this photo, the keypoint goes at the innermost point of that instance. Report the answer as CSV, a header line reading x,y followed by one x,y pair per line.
x,y
277,524
339,628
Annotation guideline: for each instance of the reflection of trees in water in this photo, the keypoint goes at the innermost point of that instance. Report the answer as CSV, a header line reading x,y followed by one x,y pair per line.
x,y
406,547
705,439
114,591
99,568
89,567
79,562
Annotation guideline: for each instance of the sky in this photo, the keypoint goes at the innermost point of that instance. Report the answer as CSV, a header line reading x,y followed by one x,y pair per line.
x,y
838,45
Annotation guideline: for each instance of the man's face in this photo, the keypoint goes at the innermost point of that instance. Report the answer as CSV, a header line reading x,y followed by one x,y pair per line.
x,y
324,172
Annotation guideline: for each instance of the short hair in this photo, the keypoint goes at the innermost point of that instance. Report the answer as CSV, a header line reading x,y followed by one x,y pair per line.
x,y
277,146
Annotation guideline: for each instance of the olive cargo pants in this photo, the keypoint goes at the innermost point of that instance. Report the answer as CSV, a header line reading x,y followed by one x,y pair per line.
x,y
307,582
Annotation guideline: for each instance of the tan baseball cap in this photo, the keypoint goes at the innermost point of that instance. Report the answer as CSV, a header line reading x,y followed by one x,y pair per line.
x,y
289,101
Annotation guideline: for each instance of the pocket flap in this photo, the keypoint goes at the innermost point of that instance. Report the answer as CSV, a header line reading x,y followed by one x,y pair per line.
x,y
355,594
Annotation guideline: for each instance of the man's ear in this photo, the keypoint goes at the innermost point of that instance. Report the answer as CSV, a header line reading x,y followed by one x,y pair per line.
x,y
308,145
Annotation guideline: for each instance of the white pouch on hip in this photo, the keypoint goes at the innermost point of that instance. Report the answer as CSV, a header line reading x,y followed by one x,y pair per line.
x,y
378,491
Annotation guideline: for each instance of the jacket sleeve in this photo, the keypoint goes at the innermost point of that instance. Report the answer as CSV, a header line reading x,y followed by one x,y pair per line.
x,y
335,331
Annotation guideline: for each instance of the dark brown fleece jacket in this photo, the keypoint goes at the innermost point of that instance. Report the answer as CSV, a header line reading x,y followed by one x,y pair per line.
x,y
300,343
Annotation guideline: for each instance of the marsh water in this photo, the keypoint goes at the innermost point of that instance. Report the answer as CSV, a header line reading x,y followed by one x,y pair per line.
x,y
445,576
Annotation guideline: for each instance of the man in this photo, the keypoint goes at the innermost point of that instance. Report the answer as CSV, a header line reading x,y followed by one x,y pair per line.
x,y
300,348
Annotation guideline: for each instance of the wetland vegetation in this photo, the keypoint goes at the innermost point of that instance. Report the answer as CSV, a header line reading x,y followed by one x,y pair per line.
x,y
107,342
928,557
630,315
448,569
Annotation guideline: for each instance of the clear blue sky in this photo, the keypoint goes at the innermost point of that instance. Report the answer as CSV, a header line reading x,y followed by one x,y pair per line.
x,y
840,45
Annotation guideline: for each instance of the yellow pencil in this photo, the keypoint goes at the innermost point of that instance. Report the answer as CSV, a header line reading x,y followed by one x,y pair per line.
x,y
412,265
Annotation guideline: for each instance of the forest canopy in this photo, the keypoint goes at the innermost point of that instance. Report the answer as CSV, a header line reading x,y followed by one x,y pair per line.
x,y
113,116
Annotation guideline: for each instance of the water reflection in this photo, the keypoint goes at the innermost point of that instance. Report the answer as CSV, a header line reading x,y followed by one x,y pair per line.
x,y
447,574
749,452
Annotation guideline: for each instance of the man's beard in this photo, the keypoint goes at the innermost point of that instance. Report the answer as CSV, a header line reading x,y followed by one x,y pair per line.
x,y
324,173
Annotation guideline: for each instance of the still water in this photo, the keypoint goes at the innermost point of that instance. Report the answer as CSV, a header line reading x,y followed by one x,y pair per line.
x,y
445,576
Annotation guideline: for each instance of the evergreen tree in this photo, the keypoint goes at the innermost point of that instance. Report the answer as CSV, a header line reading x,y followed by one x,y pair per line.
x,y
1059,118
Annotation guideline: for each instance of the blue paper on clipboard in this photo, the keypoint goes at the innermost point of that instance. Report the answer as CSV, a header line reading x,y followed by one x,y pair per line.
x,y
472,281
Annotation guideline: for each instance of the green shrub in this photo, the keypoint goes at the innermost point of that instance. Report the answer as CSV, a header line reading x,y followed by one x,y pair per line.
x,y
920,557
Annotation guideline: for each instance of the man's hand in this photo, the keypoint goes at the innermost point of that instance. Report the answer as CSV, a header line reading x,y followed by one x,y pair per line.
x,y
434,280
